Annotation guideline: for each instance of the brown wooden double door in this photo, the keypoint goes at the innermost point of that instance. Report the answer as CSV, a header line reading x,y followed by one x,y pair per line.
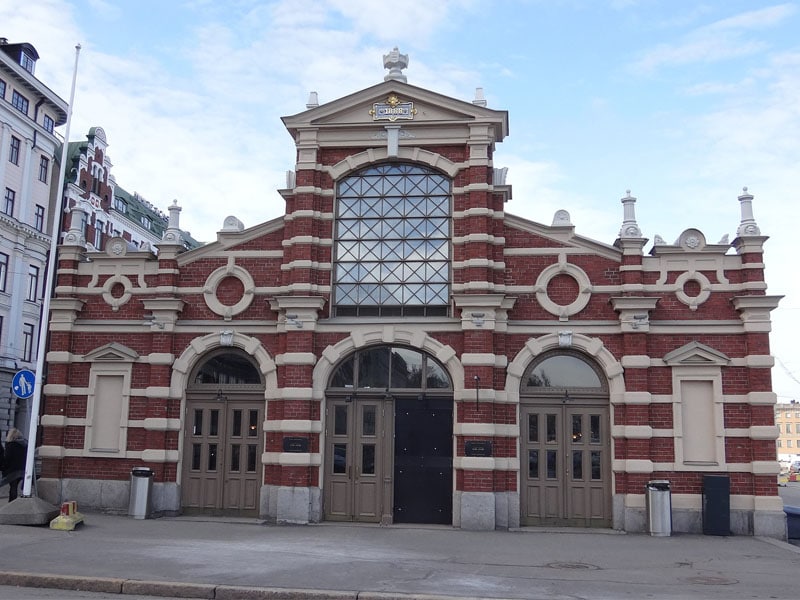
x,y
566,465
222,448
389,460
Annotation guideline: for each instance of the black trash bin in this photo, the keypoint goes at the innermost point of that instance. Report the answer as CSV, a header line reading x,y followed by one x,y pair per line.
x,y
659,507
140,502
716,505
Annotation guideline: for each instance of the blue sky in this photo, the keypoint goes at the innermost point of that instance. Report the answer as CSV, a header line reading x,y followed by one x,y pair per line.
x,y
681,102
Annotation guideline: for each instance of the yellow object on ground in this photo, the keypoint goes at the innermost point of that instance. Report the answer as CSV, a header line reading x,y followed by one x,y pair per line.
x,y
68,518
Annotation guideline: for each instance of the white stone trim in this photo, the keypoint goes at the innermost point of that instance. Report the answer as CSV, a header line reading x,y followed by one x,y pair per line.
x,y
293,426
417,155
216,277
486,430
295,358
562,267
292,459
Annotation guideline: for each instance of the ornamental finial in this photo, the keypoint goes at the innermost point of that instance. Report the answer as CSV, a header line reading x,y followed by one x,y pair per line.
x,y
395,62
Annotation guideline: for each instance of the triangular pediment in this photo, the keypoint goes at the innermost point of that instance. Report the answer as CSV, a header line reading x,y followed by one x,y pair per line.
x,y
559,236
696,354
429,108
113,352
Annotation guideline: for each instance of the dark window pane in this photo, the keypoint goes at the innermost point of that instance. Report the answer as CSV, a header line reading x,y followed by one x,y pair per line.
x,y
552,464
227,368
252,429
533,464
340,458
551,428
373,368
343,376
235,457
406,368
436,376
368,420
533,428
197,429
340,420
563,371
197,450
214,425
237,423
212,457
596,474
594,429
252,453
368,459
577,429
577,464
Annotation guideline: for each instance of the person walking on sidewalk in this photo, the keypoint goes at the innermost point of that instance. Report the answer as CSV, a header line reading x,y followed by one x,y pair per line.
x,y
14,461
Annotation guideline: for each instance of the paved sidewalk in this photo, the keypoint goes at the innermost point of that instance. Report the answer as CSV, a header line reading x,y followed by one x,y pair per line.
x,y
214,558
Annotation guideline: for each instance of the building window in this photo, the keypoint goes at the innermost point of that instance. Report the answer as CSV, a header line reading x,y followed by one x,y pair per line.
x,y
33,282
3,271
788,428
392,247
49,124
39,218
788,443
779,444
27,342
27,62
121,206
8,205
146,222
19,102
2,90
98,235
13,153
44,167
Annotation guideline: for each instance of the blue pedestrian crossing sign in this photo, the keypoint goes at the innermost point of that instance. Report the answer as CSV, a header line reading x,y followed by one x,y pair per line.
x,y
22,384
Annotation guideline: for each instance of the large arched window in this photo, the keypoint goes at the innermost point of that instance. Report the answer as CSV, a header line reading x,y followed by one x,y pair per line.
x,y
392,242
226,368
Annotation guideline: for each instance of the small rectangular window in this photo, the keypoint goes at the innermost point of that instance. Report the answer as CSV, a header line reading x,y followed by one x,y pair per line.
x,y
13,151
146,222
19,102
48,123
44,167
27,62
3,271
27,342
788,443
8,202
98,235
33,283
38,222
2,90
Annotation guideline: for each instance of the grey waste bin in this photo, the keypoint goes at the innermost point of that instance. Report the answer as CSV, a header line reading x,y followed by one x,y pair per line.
x,y
140,503
659,507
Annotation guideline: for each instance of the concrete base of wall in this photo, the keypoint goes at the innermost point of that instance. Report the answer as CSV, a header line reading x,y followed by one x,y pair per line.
x,y
478,511
296,505
770,524
108,496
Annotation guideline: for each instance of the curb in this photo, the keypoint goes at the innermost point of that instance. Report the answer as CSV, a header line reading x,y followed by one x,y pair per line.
x,y
175,589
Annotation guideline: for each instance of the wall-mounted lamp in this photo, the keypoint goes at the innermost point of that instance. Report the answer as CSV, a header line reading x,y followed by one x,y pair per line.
x,y
477,390
220,396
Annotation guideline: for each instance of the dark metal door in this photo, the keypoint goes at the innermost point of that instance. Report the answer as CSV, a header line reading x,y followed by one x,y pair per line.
x,y
423,460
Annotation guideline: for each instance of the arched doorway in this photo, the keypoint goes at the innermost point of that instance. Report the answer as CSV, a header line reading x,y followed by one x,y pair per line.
x,y
389,438
222,440
565,443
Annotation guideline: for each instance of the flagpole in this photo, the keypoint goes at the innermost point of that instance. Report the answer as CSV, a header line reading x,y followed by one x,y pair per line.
x,y
48,292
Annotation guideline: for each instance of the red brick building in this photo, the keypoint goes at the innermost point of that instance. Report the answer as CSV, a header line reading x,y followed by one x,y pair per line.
x,y
398,348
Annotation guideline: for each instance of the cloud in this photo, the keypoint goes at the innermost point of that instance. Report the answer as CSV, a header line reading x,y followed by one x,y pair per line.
x,y
725,39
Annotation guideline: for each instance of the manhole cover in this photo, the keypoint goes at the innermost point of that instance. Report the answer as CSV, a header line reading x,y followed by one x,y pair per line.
x,y
711,580
571,565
